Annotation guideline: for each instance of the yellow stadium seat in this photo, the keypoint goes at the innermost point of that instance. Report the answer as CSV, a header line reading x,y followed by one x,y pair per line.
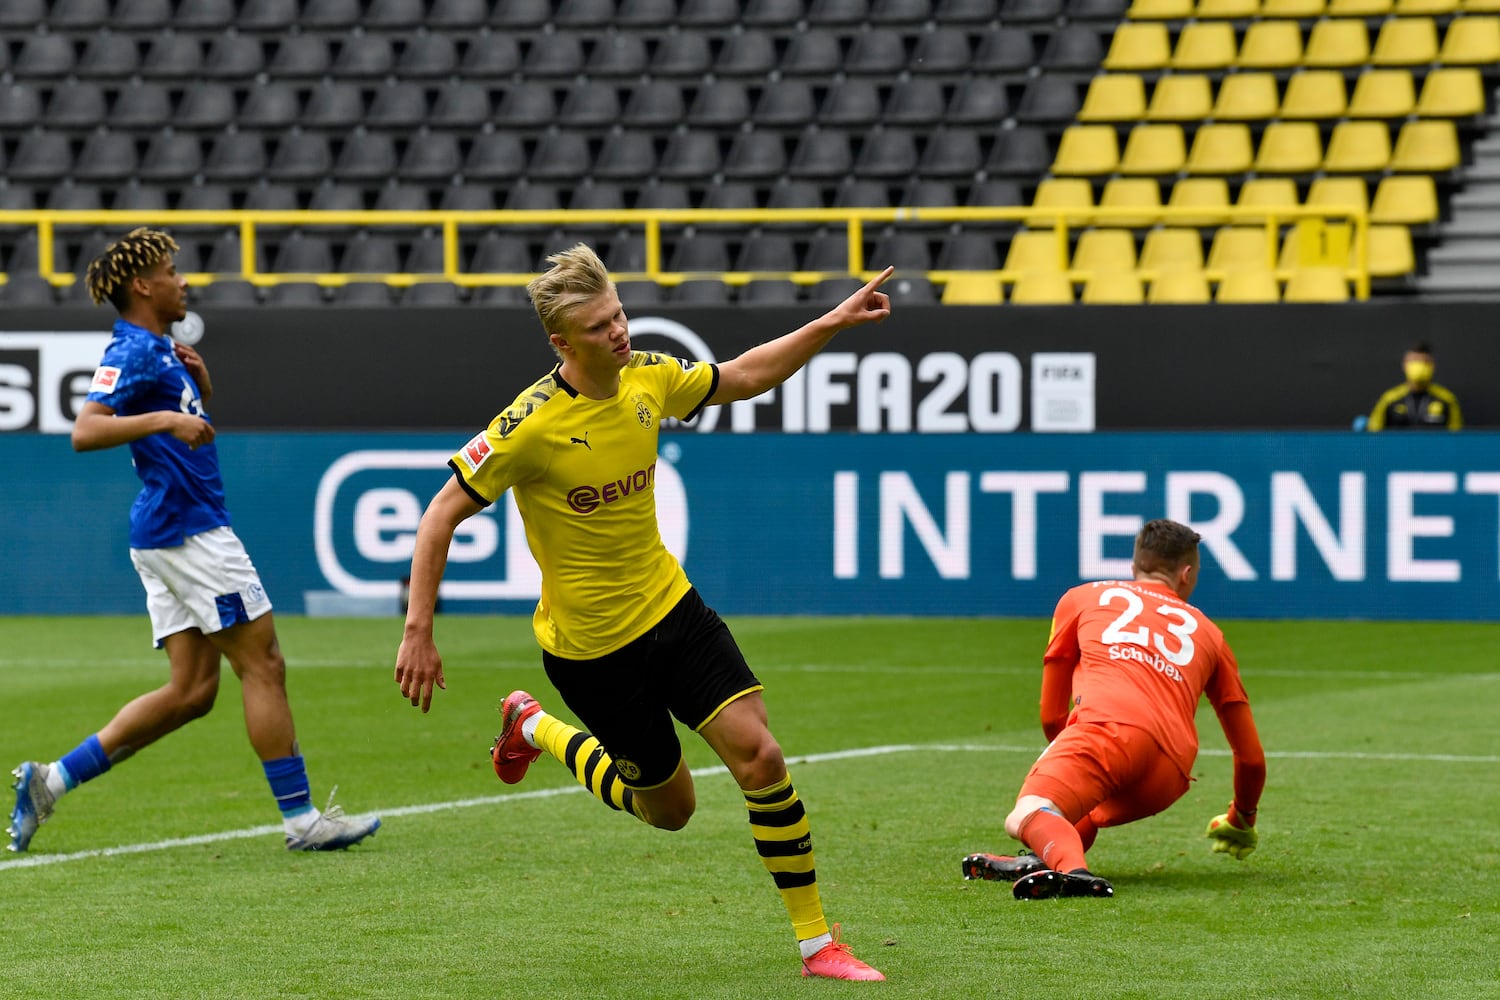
x,y
1241,248
1405,41
1180,287
1267,192
1204,45
1105,250
1317,284
1114,97
1339,192
1390,253
1405,199
1451,92
1204,201
1138,46
1113,288
1383,93
972,290
1245,97
1471,41
1228,10
1061,194
1289,148
1315,94
1152,150
1337,43
1037,250
1304,10
1042,288
1316,243
1143,193
1358,147
1181,97
1159,10
1248,286
1221,148
1479,6
1087,151
1171,249
1428,8
1358,8
1271,44
1426,147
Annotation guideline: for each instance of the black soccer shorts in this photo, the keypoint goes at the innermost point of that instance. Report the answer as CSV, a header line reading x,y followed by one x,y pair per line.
x,y
688,666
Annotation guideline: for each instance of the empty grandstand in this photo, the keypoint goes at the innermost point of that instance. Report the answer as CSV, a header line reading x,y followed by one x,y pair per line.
x,y
1029,151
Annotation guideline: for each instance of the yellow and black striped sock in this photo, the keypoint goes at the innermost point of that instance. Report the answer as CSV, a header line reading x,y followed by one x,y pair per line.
x,y
585,757
784,842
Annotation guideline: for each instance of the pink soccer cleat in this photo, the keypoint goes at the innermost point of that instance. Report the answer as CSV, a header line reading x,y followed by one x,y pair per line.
x,y
511,754
836,961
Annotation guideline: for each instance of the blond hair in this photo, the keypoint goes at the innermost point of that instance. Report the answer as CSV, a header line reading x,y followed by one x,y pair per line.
x,y
577,276
109,274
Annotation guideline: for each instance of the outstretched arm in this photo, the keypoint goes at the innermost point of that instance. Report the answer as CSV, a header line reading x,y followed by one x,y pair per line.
x,y
768,365
418,666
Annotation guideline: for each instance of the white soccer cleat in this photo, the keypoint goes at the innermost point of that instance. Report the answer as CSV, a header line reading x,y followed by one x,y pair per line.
x,y
333,831
34,801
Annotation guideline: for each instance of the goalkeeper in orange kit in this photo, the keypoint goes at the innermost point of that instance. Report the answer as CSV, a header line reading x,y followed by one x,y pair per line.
x,y
1125,666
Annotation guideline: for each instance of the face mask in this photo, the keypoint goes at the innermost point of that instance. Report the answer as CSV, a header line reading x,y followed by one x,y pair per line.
x,y
1419,372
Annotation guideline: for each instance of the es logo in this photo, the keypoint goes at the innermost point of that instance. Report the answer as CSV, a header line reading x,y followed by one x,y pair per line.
x,y
369,504
44,378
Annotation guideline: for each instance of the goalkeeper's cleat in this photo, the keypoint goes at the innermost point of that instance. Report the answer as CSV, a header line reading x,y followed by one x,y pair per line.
x,y
1001,867
835,961
511,754
1049,884
34,801
333,831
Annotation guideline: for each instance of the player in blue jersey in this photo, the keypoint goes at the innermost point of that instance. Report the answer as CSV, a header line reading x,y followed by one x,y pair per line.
x,y
202,592
625,638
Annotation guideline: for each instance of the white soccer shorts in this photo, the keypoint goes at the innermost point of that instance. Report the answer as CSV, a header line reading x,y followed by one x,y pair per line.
x,y
208,583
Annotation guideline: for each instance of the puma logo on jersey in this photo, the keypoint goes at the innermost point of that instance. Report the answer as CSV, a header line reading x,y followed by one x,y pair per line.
x,y
583,441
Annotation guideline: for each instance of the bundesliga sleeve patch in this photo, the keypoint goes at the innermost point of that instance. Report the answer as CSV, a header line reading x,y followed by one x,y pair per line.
x,y
106,377
475,452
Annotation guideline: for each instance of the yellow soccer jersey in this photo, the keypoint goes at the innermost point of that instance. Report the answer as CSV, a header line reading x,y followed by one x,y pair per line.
x,y
583,472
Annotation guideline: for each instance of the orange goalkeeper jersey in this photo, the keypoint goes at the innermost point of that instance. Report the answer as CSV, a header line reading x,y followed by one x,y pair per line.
x,y
1133,652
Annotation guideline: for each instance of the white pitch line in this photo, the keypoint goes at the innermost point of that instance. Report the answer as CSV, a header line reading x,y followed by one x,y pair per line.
x,y
38,860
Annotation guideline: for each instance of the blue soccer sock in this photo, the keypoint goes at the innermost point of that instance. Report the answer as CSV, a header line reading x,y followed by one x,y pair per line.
x,y
84,762
288,780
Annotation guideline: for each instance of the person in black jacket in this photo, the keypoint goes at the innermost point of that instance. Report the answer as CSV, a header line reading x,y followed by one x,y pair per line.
x,y
1419,402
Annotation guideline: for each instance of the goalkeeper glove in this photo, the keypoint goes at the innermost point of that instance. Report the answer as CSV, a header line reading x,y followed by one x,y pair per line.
x,y
1231,839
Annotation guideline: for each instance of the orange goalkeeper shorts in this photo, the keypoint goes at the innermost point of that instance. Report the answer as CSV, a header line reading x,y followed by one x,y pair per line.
x,y
1113,772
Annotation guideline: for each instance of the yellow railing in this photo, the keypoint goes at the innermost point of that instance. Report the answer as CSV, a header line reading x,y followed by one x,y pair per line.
x,y
854,220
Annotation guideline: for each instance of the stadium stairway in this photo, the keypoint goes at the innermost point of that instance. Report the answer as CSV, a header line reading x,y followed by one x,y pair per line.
x,y
1466,257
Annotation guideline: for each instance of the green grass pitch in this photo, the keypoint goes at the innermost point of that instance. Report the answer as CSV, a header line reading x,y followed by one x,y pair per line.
x,y
1378,873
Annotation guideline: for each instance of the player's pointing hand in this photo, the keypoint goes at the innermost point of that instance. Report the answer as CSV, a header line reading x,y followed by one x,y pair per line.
x,y
868,303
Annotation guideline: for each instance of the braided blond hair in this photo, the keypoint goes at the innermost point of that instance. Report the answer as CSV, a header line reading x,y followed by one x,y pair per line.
x,y
109,274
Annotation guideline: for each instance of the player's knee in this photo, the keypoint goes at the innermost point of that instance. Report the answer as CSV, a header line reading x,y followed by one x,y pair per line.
x,y
761,766
267,668
1026,807
196,699
670,816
